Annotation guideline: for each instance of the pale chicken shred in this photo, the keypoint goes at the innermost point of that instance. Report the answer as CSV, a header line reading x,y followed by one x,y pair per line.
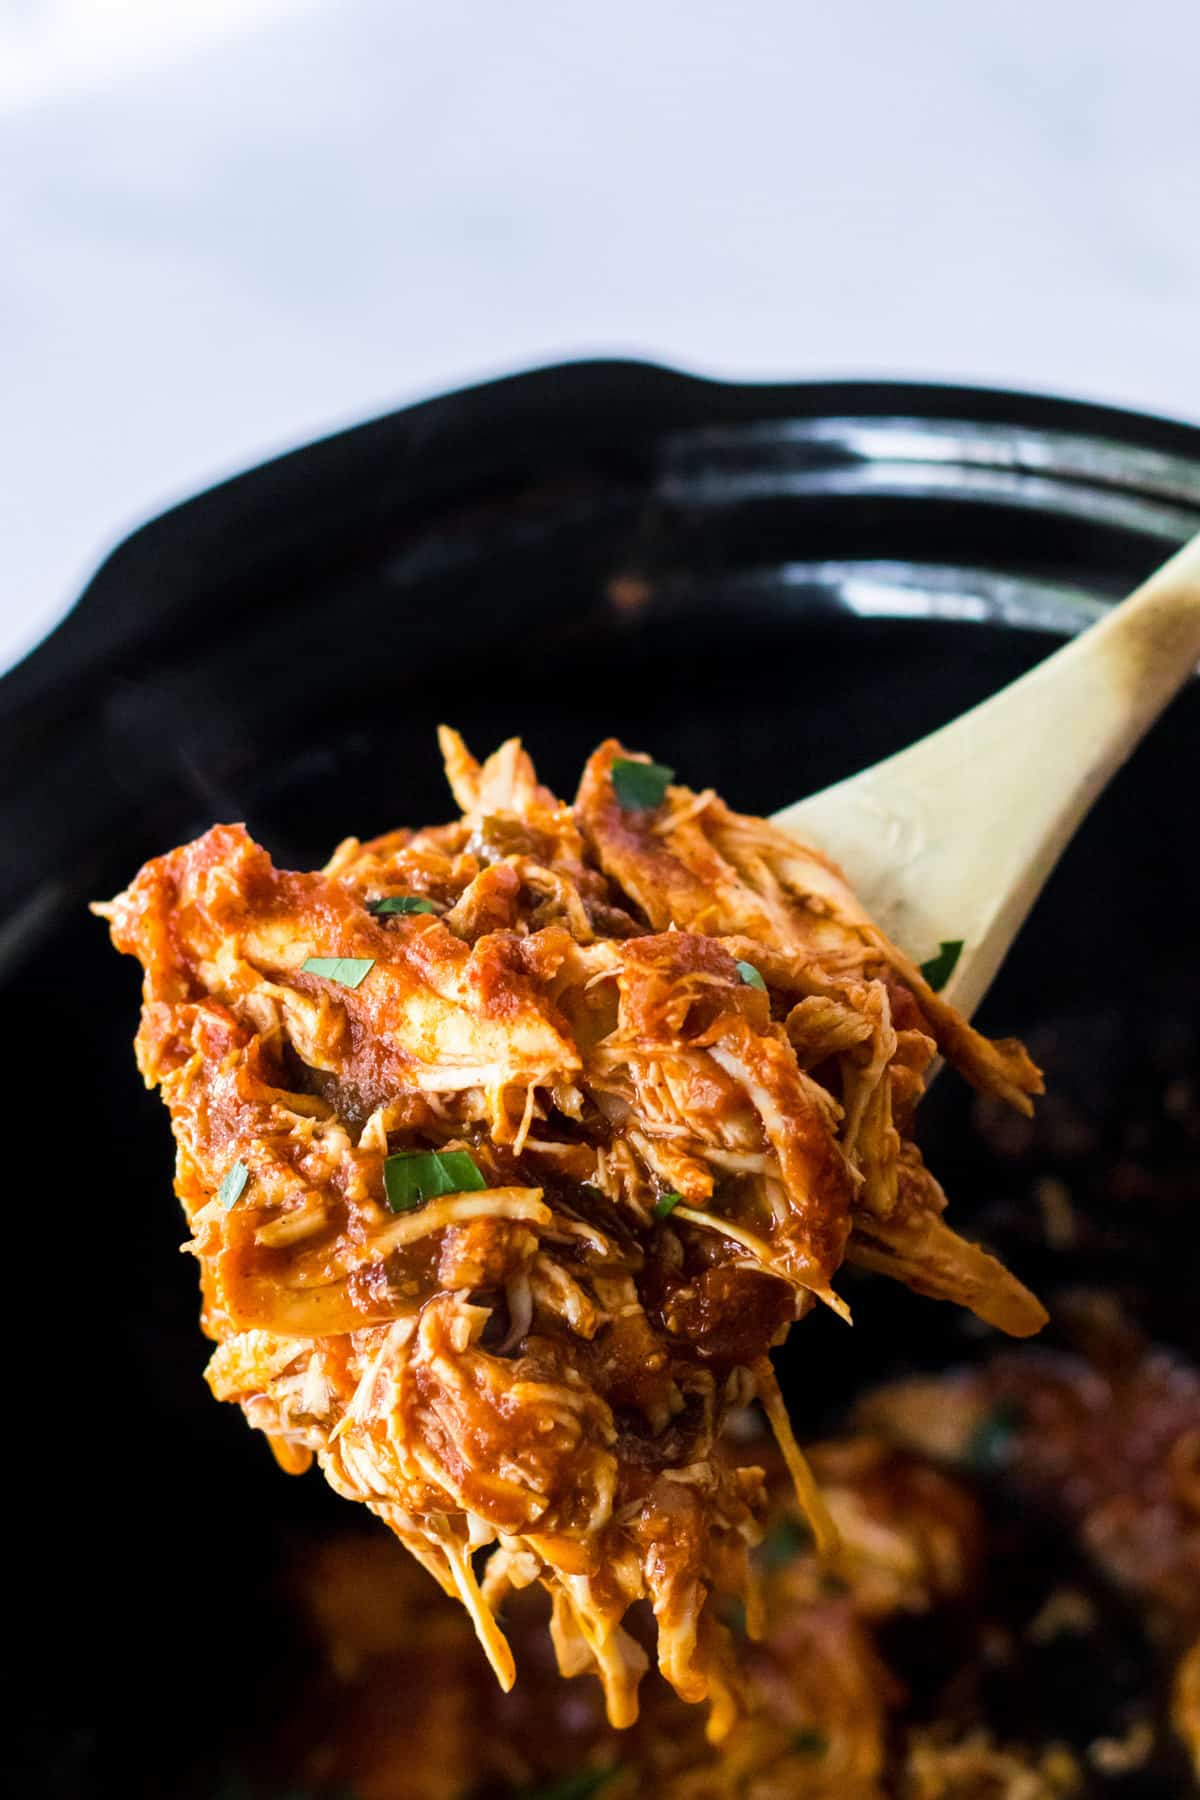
x,y
676,1161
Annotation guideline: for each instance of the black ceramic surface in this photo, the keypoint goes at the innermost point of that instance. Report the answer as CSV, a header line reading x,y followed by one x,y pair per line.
x,y
764,586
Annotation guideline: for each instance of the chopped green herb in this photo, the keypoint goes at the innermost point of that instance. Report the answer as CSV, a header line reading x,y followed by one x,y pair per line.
x,y
233,1186
786,1539
579,1786
750,975
413,1176
401,903
593,1193
808,1741
938,970
990,1445
640,785
733,1614
665,1205
347,971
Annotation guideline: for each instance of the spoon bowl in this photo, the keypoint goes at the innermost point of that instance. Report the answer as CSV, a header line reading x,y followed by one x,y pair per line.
x,y
949,842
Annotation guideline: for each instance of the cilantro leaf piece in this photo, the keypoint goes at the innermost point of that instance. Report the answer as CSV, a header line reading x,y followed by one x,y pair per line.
x,y
347,971
401,903
750,975
938,970
990,1445
233,1186
414,1176
786,1539
808,1741
640,785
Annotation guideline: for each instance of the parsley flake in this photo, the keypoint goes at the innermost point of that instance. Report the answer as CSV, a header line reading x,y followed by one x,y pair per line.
x,y
733,1614
786,1539
639,786
808,1741
414,1176
347,971
938,970
665,1205
990,1445
751,976
401,903
233,1186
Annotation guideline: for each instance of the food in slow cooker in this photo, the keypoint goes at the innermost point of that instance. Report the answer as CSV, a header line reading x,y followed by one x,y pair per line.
x,y
1013,1532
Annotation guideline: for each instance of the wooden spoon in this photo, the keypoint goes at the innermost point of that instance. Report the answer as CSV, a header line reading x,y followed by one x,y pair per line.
x,y
954,837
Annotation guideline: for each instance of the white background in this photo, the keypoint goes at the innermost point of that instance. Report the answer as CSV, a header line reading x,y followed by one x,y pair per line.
x,y
228,225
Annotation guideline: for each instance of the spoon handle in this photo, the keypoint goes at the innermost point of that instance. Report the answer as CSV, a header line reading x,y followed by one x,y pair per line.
x,y
954,837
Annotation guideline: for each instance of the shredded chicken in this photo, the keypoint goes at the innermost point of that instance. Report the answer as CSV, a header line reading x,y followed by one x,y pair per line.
x,y
823,1701
823,1663
1111,1443
683,1064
